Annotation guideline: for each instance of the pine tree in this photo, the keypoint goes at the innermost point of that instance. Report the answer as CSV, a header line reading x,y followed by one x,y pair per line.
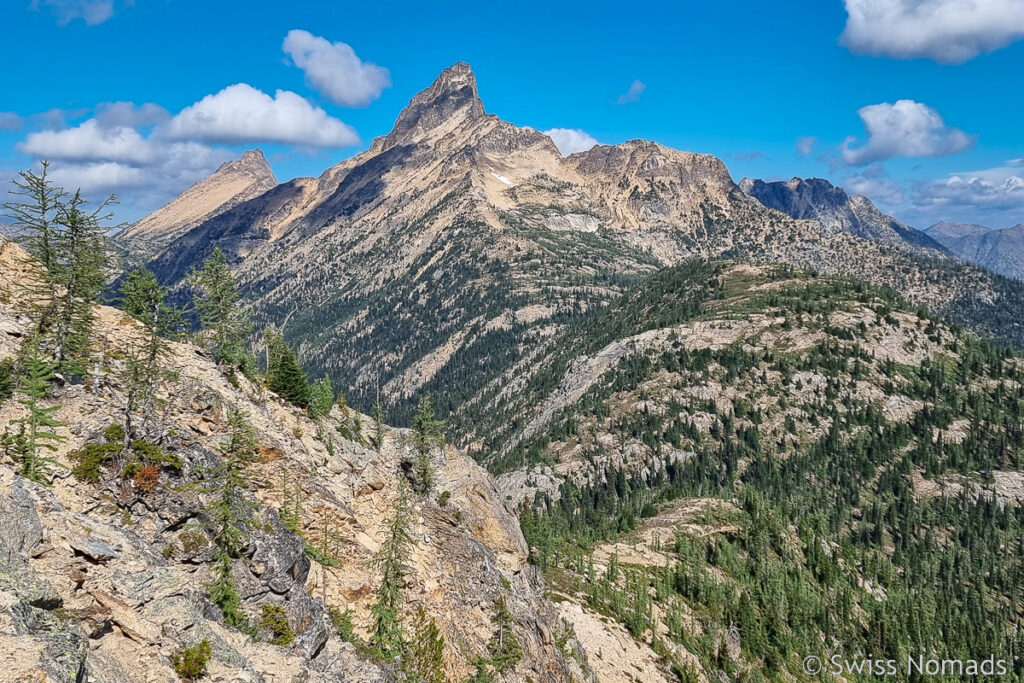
x,y
386,636
481,671
504,645
423,661
226,515
321,398
427,434
144,298
69,245
221,316
85,257
8,379
285,376
35,218
37,434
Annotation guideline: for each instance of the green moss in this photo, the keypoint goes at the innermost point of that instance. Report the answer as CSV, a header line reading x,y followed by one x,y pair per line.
x,y
191,541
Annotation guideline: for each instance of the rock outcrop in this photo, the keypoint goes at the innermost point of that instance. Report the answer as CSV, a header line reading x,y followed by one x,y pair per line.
x,y
104,581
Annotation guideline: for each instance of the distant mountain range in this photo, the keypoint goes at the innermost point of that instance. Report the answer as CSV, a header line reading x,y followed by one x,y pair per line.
x,y
818,199
460,241
1001,251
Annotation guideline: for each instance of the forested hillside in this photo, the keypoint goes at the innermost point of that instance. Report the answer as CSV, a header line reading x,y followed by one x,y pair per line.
x,y
781,465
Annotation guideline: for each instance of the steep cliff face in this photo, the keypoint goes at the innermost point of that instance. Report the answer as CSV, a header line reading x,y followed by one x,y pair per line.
x,y
231,184
1001,251
105,580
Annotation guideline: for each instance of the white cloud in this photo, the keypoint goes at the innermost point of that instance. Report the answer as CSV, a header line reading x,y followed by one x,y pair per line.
x,y
240,114
805,146
976,190
636,89
571,140
115,114
177,166
89,141
335,70
144,153
947,31
92,12
993,197
57,118
904,129
9,120
874,183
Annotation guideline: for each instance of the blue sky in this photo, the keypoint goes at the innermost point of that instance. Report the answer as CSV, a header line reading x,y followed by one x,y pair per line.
x,y
775,89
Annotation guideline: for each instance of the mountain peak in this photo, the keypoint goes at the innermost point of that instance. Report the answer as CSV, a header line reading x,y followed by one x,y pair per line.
x,y
252,162
234,182
449,101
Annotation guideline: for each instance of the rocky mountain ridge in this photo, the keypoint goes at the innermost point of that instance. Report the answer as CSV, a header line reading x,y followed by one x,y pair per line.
x,y
404,266
233,183
818,199
1001,251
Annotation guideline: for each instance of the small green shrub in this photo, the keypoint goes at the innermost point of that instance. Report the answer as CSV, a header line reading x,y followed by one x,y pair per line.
x,y
114,433
190,662
8,380
275,620
342,623
318,555
89,460
443,499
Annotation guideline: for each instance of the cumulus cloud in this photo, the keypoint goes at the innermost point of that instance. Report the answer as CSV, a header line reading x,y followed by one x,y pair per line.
x,y
805,146
9,120
115,114
334,69
57,118
904,129
148,155
993,197
92,12
103,159
571,140
240,114
947,31
173,168
980,191
636,89
89,141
